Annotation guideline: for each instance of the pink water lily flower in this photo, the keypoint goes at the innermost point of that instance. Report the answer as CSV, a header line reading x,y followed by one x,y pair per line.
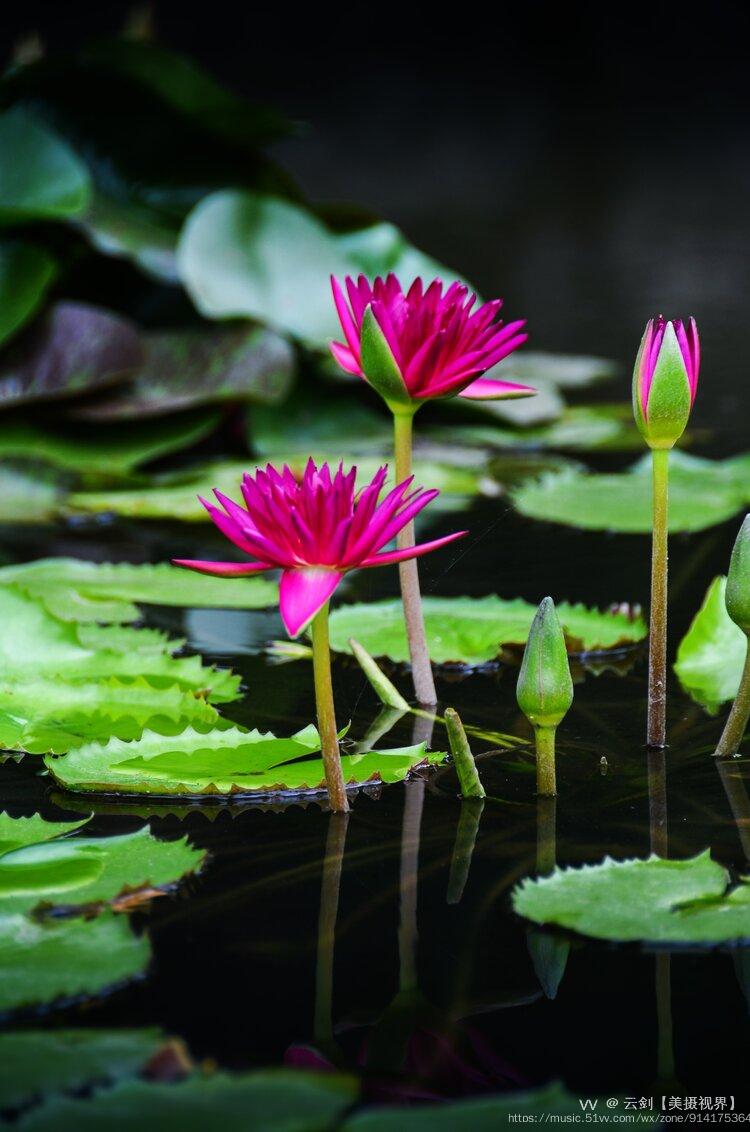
x,y
440,343
315,530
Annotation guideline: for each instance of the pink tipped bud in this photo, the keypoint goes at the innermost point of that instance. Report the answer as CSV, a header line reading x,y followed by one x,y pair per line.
x,y
665,380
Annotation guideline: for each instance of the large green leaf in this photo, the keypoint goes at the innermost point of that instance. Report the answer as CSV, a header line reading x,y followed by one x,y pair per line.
x,y
711,655
132,232
702,493
17,833
381,248
233,761
653,900
35,644
72,349
29,495
191,367
26,273
567,371
37,1064
270,1100
580,428
479,1114
468,630
40,177
75,590
309,422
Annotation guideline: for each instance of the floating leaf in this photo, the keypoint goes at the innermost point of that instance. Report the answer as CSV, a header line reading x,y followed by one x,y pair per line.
x,y
381,248
468,630
307,423
270,1100
75,590
26,273
566,371
711,655
40,177
35,644
184,368
72,349
233,761
702,493
108,450
580,428
16,833
132,232
481,1114
28,496
653,900
37,1064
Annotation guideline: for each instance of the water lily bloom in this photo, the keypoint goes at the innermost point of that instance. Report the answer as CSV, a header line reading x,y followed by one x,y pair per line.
x,y
426,343
314,530
665,380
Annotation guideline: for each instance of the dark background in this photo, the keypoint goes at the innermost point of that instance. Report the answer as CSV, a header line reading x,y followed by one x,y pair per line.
x,y
589,163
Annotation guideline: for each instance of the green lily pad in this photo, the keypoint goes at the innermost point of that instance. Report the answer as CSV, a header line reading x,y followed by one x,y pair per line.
x,y
581,428
40,177
38,1064
308,422
190,367
17,833
75,590
72,349
131,232
652,900
381,248
29,496
711,655
270,1100
26,273
702,493
472,631
36,644
480,1114
233,761
566,371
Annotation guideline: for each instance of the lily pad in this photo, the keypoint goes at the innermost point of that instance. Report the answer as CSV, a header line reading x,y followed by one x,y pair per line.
x,y
711,655
185,368
271,1100
233,761
76,590
381,248
566,371
26,273
480,1114
36,644
72,349
581,428
702,493
17,833
653,900
132,232
40,176
29,496
472,631
309,422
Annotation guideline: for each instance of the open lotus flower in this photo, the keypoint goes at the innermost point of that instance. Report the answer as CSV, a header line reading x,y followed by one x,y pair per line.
x,y
424,344
315,530
665,380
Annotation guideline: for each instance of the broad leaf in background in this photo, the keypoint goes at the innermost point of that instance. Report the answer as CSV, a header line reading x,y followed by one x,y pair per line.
x,y
76,590
71,350
711,655
702,493
189,367
479,1114
40,176
652,900
233,761
35,644
271,1100
107,451
310,422
581,428
566,371
135,233
26,273
472,631
29,494
381,248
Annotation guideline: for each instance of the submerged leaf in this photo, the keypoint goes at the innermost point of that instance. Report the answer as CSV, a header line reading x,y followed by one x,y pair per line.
x,y
467,630
40,176
26,272
652,900
711,655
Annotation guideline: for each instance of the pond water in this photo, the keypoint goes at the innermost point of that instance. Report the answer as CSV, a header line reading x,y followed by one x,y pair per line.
x,y
374,943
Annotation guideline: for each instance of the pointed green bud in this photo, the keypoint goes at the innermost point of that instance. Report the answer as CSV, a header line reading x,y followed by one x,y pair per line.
x,y
466,768
545,687
665,380
738,581
379,365
387,692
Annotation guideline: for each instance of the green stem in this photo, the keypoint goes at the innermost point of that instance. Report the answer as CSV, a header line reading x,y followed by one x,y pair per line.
x,y
326,712
546,781
657,646
421,669
546,835
736,724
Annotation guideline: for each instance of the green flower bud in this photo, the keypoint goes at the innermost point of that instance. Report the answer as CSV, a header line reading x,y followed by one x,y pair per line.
x,y
738,582
545,687
665,380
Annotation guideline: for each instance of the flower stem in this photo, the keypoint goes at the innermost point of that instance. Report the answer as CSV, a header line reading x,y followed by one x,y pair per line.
x,y
546,780
326,712
424,684
657,646
735,726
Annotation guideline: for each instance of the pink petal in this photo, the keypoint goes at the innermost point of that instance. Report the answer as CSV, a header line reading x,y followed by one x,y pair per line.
x,y
411,551
302,592
348,325
222,569
345,358
484,389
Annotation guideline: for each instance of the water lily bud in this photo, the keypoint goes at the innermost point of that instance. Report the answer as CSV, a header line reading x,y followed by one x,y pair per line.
x,y
665,380
545,687
738,582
